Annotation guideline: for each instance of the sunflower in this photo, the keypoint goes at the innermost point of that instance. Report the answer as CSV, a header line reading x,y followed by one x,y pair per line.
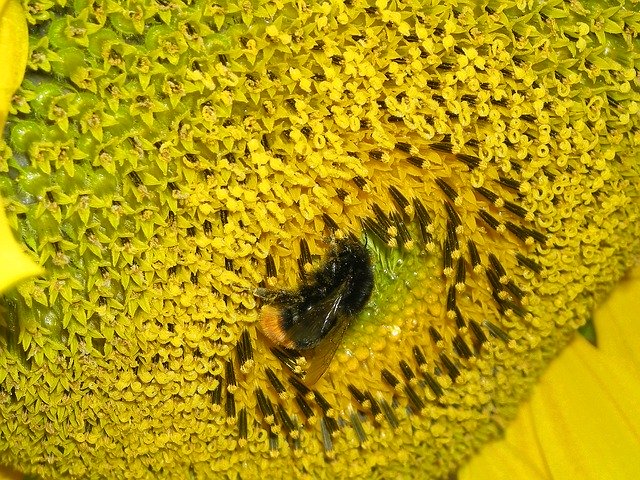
x,y
453,186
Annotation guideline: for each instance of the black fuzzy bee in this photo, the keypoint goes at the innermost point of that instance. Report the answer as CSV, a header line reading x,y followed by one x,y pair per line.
x,y
310,322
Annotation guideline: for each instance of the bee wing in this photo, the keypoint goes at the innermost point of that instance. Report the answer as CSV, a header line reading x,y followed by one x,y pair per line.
x,y
320,357
314,322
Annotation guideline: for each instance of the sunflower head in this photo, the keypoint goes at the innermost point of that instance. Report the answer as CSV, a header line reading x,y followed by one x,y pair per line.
x,y
176,167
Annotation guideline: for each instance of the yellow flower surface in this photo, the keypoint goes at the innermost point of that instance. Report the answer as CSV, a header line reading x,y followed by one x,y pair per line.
x,y
170,162
580,421
13,56
8,474
16,265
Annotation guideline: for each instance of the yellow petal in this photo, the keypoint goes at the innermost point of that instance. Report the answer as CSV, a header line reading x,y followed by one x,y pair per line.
x,y
517,456
581,421
15,264
617,324
14,41
585,416
9,474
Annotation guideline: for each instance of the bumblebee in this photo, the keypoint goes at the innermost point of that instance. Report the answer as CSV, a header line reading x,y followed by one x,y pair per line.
x,y
311,321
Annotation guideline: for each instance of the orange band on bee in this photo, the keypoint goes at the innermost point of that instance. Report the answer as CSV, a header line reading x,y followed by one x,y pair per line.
x,y
271,326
